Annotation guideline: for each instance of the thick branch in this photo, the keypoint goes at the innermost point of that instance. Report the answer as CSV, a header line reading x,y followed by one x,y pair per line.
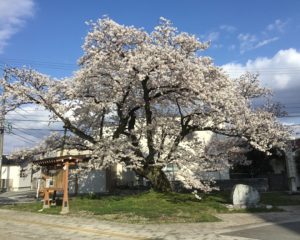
x,y
148,116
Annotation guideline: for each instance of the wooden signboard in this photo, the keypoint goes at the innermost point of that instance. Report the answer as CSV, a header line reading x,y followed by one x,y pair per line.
x,y
55,174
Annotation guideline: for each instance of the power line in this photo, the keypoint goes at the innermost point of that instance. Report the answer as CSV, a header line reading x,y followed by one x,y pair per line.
x,y
290,116
69,66
33,110
50,65
40,61
24,138
40,129
26,133
24,110
54,63
32,120
23,115
19,114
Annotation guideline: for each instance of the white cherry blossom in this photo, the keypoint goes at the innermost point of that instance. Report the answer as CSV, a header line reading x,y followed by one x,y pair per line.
x,y
142,99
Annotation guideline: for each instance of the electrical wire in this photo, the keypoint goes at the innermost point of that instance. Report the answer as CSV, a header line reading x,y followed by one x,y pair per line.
x,y
69,66
290,116
19,114
40,129
55,65
32,120
23,115
44,65
24,138
23,132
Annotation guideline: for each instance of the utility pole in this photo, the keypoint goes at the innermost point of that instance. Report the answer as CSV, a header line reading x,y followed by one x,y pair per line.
x,y
291,168
2,123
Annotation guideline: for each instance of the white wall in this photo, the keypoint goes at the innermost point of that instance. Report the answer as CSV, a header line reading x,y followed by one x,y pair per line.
x,y
125,177
12,174
92,182
25,182
35,178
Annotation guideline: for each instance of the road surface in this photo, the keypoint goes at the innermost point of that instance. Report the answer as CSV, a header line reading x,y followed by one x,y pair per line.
x,y
16,225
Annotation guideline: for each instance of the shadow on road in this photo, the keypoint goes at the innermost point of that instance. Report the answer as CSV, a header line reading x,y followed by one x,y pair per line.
x,y
270,226
286,231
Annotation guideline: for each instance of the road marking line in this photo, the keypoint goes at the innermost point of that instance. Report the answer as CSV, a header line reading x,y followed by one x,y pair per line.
x,y
76,229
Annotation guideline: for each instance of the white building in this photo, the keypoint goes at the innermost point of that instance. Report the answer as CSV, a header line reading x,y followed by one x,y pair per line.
x,y
81,180
15,176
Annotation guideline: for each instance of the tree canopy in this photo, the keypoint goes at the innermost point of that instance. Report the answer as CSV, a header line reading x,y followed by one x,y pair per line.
x,y
142,99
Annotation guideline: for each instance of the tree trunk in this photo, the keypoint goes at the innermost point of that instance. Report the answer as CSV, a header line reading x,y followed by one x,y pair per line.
x,y
157,177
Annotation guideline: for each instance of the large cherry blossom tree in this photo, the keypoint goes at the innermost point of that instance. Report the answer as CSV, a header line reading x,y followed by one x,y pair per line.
x,y
142,99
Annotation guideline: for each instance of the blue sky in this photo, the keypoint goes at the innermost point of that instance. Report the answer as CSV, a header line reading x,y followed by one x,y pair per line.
x,y
53,30
259,36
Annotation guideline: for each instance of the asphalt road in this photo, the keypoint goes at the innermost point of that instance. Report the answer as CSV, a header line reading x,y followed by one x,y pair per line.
x,y
17,197
284,231
33,226
24,225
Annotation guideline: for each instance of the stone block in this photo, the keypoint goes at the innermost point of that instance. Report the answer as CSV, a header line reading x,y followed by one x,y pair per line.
x,y
245,196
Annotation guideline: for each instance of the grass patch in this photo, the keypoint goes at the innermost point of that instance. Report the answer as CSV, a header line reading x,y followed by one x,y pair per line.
x,y
150,207
154,207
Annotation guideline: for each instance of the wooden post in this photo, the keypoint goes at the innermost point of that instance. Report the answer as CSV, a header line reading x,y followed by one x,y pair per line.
x,y
65,202
46,199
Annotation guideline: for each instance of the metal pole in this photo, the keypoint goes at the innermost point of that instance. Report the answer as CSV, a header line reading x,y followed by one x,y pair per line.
x,y
1,146
63,142
2,120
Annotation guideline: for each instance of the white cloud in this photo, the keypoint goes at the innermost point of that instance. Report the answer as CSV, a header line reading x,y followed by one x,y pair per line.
x,y
247,37
250,42
228,28
213,36
12,18
277,25
266,42
247,41
281,73
217,46
232,47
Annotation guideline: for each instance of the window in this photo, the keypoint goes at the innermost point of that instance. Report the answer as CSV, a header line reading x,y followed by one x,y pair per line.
x,y
23,173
